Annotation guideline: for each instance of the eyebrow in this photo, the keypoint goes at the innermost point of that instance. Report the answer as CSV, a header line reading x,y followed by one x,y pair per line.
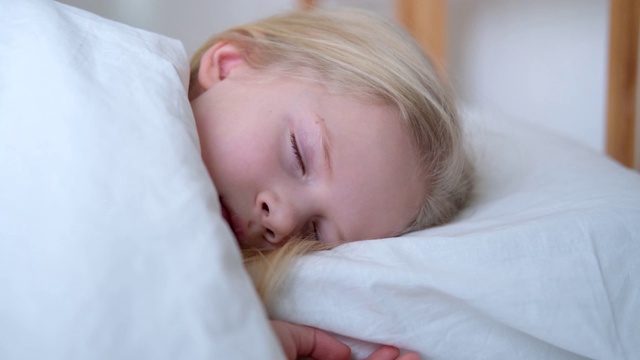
x,y
326,144
326,152
341,239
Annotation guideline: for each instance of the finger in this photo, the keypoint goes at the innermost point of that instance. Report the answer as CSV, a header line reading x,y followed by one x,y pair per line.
x,y
385,352
409,356
319,345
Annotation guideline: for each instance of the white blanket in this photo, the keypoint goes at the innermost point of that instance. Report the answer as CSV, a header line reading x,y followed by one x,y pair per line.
x,y
111,242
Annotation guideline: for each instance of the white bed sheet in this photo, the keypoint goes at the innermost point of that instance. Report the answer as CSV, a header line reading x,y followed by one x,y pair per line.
x,y
542,265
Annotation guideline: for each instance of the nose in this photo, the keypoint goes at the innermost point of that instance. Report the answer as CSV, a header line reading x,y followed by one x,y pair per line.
x,y
277,216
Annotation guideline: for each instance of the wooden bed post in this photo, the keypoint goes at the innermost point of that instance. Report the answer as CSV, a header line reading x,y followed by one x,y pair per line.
x,y
426,21
623,82
307,4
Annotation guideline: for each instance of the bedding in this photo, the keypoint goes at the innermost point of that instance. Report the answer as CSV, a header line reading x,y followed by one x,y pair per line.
x,y
112,245
111,241
543,264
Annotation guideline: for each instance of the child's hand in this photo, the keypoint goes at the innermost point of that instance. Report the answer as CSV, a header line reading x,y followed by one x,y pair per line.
x,y
304,341
391,353
298,341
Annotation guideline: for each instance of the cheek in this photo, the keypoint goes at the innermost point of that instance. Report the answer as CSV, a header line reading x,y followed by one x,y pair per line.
x,y
238,161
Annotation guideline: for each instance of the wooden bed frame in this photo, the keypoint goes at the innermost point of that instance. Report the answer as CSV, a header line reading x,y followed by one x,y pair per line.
x,y
426,21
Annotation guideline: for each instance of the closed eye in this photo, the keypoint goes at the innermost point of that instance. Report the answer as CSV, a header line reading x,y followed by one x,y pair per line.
x,y
316,234
311,231
296,152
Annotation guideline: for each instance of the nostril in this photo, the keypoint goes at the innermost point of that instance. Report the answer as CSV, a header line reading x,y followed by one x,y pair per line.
x,y
270,235
265,208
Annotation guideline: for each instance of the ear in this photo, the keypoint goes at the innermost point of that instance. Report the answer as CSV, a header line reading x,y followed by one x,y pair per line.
x,y
217,63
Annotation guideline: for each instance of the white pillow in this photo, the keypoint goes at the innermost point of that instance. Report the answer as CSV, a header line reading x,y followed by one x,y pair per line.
x,y
111,241
542,265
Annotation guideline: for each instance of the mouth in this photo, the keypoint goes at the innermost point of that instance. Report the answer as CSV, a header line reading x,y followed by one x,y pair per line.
x,y
233,220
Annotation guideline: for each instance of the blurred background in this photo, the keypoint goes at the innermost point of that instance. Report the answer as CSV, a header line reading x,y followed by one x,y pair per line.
x,y
543,61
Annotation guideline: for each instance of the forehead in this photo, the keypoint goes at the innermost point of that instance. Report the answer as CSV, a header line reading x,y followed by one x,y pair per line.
x,y
376,189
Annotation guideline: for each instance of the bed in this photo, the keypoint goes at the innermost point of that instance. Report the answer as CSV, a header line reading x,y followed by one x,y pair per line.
x,y
112,245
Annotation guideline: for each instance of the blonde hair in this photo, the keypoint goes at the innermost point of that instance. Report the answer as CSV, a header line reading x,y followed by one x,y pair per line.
x,y
356,52
267,267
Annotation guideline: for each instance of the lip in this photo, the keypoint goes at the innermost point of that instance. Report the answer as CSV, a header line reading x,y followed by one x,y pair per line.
x,y
233,220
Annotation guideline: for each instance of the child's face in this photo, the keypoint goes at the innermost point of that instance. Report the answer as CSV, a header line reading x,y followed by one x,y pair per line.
x,y
288,158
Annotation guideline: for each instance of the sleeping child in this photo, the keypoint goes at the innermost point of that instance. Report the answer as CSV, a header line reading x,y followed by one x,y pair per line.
x,y
327,126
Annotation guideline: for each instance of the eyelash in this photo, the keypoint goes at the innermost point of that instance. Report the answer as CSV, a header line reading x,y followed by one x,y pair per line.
x,y
316,235
296,152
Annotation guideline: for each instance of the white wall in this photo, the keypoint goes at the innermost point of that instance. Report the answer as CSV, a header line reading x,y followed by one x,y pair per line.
x,y
543,61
